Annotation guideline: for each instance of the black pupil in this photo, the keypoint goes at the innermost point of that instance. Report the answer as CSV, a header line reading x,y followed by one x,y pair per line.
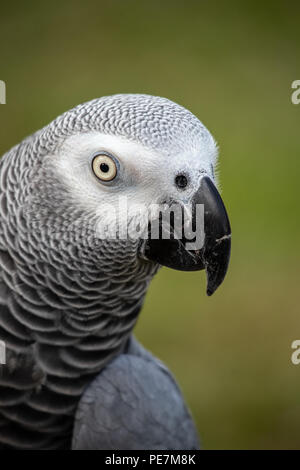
x,y
104,167
181,181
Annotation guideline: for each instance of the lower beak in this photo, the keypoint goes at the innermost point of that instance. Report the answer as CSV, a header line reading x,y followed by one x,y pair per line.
x,y
214,253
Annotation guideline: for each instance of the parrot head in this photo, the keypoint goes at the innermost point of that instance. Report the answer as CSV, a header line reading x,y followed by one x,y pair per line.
x,y
117,166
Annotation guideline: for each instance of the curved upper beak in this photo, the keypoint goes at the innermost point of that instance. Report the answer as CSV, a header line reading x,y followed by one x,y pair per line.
x,y
209,248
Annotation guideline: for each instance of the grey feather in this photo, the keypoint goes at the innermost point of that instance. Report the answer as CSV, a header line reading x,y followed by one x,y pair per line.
x,y
134,404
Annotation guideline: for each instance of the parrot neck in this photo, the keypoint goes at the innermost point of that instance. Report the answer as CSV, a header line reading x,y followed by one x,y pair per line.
x,y
68,304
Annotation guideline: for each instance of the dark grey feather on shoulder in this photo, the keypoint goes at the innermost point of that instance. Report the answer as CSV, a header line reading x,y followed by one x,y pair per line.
x,y
133,404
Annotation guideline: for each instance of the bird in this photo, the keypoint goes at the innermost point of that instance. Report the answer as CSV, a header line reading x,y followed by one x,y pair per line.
x,y
71,291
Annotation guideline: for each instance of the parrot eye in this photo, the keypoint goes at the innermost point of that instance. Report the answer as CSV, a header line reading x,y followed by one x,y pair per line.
x,y
104,167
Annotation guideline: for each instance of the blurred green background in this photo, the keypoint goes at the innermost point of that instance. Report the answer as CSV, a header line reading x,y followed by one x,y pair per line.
x,y
231,64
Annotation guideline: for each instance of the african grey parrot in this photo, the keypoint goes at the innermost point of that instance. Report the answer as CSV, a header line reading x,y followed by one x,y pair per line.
x,y
69,298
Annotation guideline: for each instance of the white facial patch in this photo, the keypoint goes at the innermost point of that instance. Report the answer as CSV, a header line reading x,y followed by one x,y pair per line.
x,y
144,176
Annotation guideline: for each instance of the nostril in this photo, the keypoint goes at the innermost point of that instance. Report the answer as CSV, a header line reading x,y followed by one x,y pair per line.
x,y
181,181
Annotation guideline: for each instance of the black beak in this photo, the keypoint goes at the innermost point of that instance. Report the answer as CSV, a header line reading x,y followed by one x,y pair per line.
x,y
214,254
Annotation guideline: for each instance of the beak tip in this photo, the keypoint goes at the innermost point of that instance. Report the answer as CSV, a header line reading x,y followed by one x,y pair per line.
x,y
211,289
217,265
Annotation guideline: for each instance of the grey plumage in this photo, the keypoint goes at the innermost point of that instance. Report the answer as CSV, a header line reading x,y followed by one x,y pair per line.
x,y
68,300
134,404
